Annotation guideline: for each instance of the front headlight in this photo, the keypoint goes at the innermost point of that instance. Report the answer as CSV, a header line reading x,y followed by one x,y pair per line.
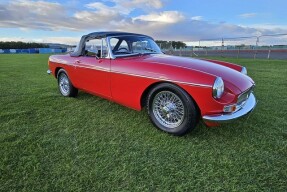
x,y
244,70
218,88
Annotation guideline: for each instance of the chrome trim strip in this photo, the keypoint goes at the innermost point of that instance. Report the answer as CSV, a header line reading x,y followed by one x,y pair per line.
x,y
110,54
94,68
246,109
246,91
126,55
102,45
143,76
182,67
162,79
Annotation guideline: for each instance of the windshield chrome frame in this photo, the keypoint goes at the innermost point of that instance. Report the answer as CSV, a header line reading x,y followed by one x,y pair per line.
x,y
112,56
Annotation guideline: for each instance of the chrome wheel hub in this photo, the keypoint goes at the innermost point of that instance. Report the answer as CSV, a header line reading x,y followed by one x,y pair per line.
x,y
64,84
168,109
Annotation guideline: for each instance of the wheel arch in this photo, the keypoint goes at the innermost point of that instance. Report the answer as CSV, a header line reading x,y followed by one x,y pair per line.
x,y
144,95
57,70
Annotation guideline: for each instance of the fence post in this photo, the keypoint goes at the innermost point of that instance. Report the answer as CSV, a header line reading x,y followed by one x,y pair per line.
x,y
238,52
268,57
257,42
255,53
222,47
192,52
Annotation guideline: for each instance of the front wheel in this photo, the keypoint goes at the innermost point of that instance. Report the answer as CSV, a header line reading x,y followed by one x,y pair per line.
x,y
171,109
65,86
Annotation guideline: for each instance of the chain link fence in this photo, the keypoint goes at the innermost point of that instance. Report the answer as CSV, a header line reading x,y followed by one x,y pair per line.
x,y
263,47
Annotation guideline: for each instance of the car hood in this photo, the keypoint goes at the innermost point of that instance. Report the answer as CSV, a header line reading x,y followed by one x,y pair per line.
x,y
232,78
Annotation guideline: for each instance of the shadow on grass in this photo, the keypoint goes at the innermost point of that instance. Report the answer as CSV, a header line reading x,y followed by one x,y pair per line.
x,y
124,114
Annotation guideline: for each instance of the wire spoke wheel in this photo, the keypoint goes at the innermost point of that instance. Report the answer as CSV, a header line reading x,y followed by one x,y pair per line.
x,y
171,109
64,84
168,109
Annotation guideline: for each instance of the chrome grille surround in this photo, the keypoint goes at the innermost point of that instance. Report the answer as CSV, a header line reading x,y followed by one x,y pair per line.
x,y
243,97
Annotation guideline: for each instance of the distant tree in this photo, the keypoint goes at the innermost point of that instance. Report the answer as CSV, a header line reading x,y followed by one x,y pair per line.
x,y
178,44
169,44
163,44
20,45
240,46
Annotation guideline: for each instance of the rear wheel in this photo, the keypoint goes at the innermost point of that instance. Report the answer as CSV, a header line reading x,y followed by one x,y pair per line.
x,y
171,109
65,86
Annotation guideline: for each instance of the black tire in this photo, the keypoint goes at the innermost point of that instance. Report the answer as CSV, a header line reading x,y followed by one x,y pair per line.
x,y
163,111
66,87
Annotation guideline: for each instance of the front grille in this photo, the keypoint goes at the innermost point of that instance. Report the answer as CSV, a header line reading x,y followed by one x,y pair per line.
x,y
244,96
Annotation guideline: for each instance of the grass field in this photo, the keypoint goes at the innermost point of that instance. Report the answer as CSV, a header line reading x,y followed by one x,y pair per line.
x,y
52,143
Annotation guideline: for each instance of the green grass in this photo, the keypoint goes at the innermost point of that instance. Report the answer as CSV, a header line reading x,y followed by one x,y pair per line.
x,y
52,143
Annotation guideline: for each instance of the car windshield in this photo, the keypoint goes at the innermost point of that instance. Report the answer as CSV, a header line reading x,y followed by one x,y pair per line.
x,y
133,45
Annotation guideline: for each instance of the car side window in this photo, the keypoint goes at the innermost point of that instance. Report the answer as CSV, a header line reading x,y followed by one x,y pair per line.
x,y
119,46
96,48
124,45
113,42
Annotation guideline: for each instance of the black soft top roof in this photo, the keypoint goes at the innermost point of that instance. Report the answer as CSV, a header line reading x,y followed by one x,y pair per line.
x,y
80,48
103,34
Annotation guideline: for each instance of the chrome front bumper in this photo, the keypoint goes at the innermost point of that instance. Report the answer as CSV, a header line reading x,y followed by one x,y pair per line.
x,y
49,72
246,109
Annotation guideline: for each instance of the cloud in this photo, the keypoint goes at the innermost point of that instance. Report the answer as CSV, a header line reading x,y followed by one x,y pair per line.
x,y
34,15
104,9
247,15
270,26
196,18
63,40
156,4
165,25
162,17
125,6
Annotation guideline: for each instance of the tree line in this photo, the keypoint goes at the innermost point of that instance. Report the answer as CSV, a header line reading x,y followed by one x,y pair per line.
x,y
170,44
20,45
24,45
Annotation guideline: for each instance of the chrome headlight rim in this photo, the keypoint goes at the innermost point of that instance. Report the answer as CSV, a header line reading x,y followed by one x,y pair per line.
x,y
244,70
218,88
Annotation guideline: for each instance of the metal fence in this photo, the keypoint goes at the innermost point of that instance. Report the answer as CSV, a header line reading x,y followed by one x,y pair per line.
x,y
32,51
263,47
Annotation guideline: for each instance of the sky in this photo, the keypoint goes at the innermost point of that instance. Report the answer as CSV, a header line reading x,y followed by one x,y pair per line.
x,y
56,21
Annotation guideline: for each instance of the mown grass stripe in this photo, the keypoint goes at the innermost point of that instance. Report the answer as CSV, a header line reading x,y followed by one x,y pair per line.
x,y
52,143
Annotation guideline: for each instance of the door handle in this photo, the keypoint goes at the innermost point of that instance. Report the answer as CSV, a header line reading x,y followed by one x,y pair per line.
x,y
78,61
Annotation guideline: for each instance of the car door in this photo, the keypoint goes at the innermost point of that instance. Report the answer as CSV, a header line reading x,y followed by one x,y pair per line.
x,y
127,75
93,69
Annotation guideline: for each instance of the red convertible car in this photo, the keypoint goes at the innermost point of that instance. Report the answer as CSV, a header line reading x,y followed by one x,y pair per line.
x,y
131,70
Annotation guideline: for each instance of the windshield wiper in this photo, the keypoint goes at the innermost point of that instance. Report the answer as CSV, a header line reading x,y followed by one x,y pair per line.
x,y
127,55
149,49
